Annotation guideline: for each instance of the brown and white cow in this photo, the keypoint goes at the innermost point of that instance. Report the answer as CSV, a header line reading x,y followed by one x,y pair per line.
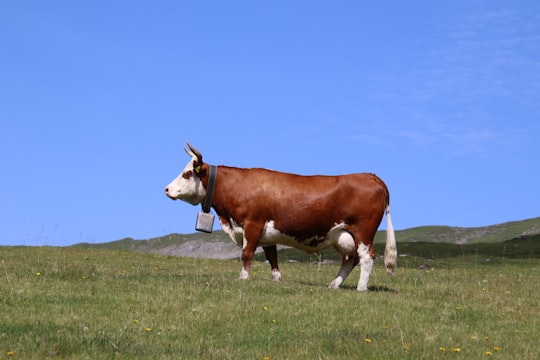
x,y
260,207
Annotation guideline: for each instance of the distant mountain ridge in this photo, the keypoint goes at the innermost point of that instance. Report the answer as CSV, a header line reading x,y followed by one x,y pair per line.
x,y
473,235
218,245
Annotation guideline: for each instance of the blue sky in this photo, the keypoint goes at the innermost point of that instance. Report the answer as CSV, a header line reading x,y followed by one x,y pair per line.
x,y
440,99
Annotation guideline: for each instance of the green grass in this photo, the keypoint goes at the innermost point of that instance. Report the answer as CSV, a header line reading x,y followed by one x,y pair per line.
x,y
86,304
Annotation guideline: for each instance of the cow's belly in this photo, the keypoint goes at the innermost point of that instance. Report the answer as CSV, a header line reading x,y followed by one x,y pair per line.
x,y
337,237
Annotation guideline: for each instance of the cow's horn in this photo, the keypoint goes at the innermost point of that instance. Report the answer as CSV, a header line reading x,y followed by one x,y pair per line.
x,y
196,152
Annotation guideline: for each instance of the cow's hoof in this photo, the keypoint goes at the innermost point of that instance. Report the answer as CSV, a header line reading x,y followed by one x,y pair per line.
x,y
244,275
336,283
276,276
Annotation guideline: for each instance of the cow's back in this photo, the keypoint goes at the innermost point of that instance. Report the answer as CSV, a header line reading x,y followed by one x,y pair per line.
x,y
300,206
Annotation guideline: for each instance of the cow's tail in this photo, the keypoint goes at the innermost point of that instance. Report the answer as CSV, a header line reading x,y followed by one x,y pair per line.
x,y
390,250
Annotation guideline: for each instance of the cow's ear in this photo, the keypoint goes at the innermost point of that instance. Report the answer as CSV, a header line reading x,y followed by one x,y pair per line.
x,y
198,169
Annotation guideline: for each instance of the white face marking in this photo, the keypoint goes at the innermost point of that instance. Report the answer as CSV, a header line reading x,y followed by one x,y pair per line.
x,y
187,186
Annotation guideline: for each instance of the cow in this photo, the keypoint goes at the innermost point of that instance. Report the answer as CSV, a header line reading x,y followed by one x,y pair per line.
x,y
261,207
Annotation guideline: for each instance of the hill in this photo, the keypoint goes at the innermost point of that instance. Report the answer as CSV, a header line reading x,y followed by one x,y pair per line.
x,y
460,235
504,239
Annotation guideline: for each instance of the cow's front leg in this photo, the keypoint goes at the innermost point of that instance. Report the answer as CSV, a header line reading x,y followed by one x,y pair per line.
x,y
247,254
271,255
251,239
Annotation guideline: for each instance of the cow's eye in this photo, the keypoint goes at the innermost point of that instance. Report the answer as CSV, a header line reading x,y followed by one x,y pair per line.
x,y
187,175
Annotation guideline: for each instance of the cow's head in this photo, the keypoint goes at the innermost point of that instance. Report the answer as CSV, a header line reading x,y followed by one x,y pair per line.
x,y
188,186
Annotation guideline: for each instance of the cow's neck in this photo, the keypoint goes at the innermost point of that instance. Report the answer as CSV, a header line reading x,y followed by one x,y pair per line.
x,y
210,187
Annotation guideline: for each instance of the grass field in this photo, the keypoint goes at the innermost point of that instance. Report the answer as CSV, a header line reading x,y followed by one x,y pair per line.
x,y
96,304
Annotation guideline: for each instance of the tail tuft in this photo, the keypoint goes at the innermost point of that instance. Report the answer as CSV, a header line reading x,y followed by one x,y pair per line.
x,y
390,250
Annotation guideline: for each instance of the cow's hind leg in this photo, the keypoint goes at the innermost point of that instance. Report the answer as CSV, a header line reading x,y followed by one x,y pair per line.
x,y
345,245
271,255
366,263
348,263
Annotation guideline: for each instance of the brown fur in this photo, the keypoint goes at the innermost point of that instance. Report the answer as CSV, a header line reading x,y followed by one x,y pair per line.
x,y
304,207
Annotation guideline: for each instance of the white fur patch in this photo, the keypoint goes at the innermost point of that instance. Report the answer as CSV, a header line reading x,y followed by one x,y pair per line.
x,y
366,263
337,237
244,275
235,232
345,243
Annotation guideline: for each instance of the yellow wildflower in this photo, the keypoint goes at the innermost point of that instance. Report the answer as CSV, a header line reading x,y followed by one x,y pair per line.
x,y
488,353
368,341
442,349
456,349
496,348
